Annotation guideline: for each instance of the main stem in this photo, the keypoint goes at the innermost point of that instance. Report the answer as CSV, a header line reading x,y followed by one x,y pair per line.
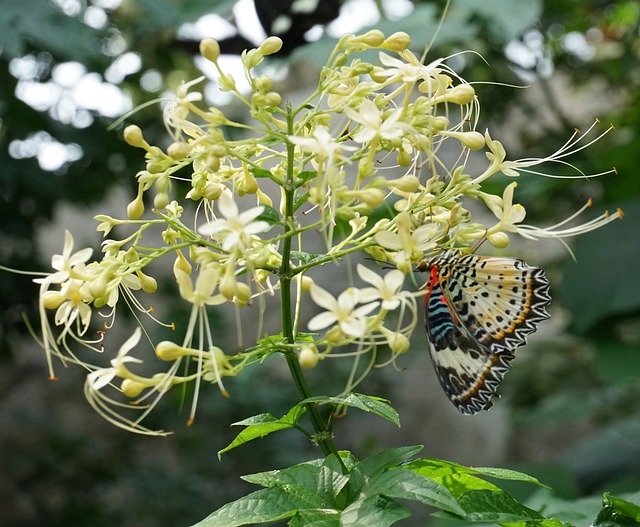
x,y
322,433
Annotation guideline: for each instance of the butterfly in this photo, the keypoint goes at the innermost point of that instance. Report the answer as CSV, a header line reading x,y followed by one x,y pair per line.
x,y
479,310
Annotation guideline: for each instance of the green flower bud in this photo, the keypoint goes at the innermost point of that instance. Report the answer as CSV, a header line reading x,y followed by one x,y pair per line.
x,y
271,45
210,49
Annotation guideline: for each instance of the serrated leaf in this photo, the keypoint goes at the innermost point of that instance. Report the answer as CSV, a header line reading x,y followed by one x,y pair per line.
x,y
262,425
366,403
375,510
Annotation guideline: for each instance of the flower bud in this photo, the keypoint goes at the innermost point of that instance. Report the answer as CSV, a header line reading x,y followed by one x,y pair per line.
x,y
335,335
263,83
461,94
373,197
178,150
210,49
132,388
212,191
133,136
398,343
148,283
181,263
408,183
498,239
305,283
167,350
440,123
161,200
226,83
243,294
52,299
373,38
472,139
264,199
397,42
271,45
135,209
308,357
404,158
229,286
98,287
272,99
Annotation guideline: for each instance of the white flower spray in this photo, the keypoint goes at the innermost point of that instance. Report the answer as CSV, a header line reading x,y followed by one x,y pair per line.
x,y
326,157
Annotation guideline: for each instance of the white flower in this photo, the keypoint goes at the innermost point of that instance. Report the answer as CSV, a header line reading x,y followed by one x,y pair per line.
x,y
505,210
409,71
236,229
75,306
343,311
67,264
99,378
202,294
370,118
410,246
320,143
387,288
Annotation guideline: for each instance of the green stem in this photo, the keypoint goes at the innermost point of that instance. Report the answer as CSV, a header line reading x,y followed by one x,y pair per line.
x,y
322,433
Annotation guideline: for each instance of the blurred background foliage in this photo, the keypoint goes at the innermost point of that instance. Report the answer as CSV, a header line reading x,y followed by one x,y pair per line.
x,y
68,68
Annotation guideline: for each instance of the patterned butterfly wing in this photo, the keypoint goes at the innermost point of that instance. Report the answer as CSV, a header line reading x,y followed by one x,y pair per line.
x,y
478,311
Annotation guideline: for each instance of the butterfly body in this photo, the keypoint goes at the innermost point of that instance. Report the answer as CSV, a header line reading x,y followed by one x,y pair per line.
x,y
479,310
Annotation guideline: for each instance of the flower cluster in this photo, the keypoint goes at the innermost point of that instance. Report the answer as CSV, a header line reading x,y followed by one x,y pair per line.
x,y
366,139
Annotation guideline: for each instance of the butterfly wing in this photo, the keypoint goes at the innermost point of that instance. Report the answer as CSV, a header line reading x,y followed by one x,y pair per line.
x,y
478,311
499,300
468,371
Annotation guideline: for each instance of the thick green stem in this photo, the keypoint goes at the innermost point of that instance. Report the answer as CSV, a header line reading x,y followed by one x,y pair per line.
x,y
322,433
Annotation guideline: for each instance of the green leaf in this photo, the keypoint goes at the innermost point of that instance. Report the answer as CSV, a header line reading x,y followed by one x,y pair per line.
x,y
301,200
265,505
322,518
617,512
261,172
366,403
306,175
492,506
373,466
324,479
459,479
270,215
405,484
262,425
374,510
306,258
437,468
